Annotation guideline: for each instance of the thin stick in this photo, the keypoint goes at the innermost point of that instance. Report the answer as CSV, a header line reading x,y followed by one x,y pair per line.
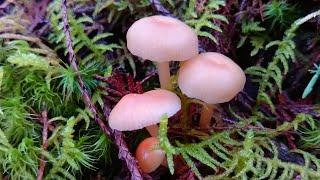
x,y
160,8
45,127
117,136
123,150
26,38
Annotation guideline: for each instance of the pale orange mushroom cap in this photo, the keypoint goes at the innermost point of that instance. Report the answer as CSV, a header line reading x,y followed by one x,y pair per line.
x,y
160,38
211,77
136,111
149,155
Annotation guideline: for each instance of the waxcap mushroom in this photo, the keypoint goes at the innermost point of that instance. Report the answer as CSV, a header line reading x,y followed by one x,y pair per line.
x,y
149,155
135,111
161,38
211,77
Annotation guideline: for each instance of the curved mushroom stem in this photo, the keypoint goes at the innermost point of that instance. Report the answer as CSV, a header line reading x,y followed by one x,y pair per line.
x,y
164,75
153,130
206,115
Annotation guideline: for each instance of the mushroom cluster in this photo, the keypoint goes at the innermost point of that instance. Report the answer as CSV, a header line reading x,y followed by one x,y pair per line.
x,y
209,77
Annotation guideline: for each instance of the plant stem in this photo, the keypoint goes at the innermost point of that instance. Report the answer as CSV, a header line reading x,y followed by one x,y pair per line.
x,y
45,127
206,115
164,75
26,38
160,8
185,112
124,153
153,130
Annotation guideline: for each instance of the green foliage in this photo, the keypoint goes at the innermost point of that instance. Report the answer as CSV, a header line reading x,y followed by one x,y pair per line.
x,y
312,81
68,79
13,22
70,154
125,55
254,32
118,8
201,21
257,43
279,66
310,135
96,50
279,12
14,119
28,60
249,156
19,161
33,79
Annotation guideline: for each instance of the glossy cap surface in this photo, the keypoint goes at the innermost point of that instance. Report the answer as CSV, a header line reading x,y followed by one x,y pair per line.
x,y
161,38
135,111
211,77
149,155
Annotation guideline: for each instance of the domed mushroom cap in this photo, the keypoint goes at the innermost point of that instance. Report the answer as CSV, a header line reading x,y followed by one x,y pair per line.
x,y
160,38
149,155
135,111
211,77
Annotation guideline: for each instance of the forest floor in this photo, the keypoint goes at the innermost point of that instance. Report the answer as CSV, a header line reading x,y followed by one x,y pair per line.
x,y
64,64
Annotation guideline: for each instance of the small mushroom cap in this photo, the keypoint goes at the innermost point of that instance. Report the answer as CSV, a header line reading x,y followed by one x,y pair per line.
x,y
149,155
160,38
211,77
135,111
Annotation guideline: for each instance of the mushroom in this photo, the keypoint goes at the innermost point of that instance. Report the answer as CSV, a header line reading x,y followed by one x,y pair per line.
x,y
213,78
149,155
135,111
162,39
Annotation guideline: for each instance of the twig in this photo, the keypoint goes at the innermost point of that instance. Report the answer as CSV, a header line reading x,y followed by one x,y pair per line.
x,y
45,127
300,21
160,8
26,38
112,91
101,78
124,153
148,77
6,3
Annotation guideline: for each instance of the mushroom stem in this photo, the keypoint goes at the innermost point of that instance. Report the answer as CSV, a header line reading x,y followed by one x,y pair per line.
x,y
164,75
206,115
185,122
153,130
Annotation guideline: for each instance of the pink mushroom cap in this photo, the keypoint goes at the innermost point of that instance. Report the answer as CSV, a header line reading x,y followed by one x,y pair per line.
x,y
149,155
161,38
136,111
211,77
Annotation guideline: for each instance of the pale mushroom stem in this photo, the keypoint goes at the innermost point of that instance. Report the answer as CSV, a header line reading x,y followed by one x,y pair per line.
x,y
164,75
206,115
153,130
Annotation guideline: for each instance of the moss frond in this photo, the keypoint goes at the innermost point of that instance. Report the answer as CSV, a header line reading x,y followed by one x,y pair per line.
x,y
203,20
248,158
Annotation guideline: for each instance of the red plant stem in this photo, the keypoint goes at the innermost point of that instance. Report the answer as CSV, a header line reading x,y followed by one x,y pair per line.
x,y
45,127
127,157
160,8
112,91
123,149
101,78
206,116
